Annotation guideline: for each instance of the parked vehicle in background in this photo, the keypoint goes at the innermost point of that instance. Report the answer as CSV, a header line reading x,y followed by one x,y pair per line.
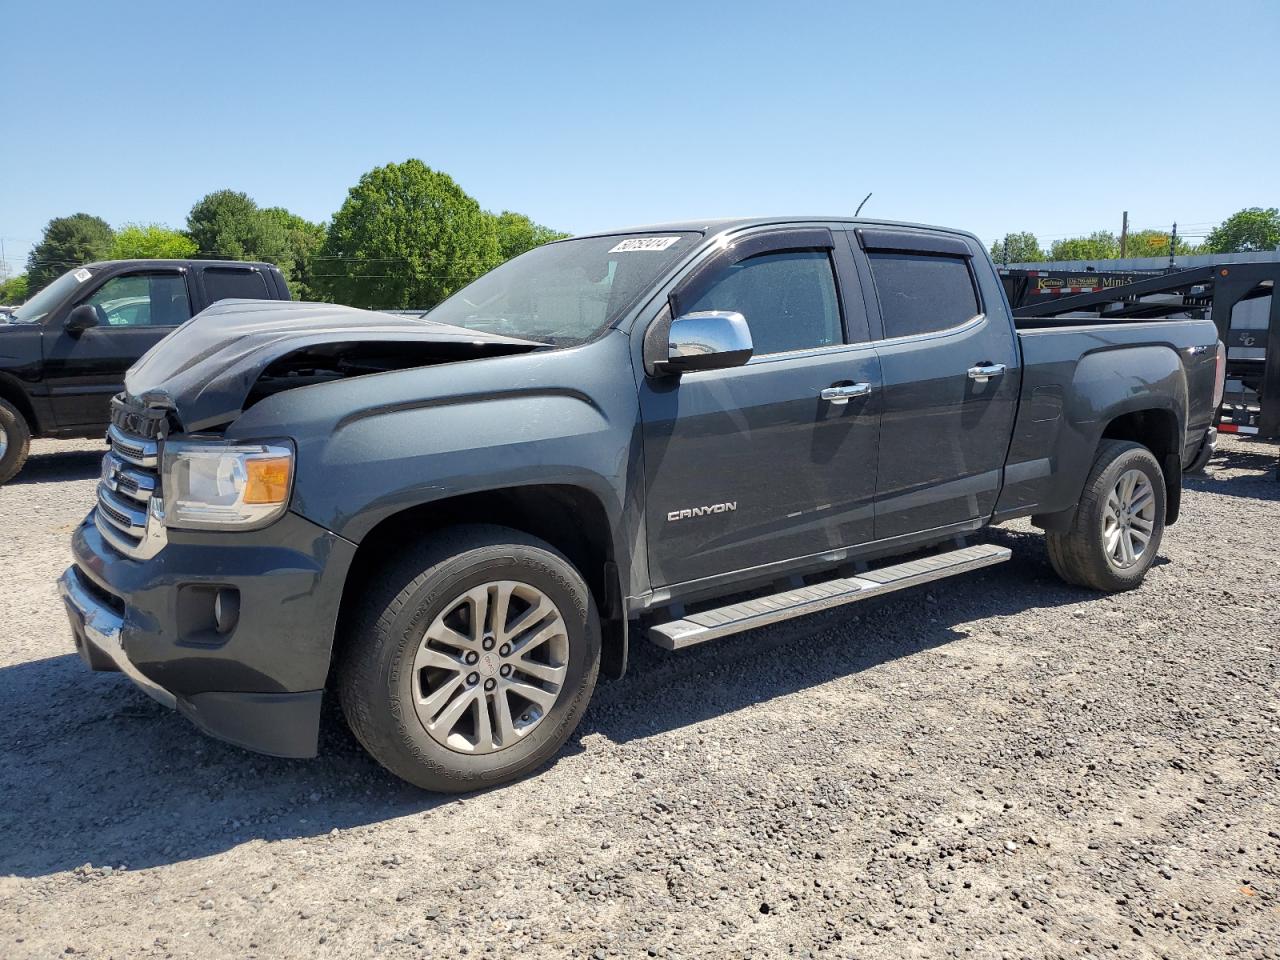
x,y
64,352
700,427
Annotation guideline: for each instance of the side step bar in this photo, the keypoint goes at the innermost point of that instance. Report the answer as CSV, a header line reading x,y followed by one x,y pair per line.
x,y
749,614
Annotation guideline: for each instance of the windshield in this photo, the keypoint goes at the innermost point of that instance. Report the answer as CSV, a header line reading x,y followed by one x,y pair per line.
x,y
564,293
35,309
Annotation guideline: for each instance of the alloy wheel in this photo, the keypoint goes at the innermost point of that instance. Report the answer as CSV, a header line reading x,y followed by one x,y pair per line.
x,y
490,667
1129,519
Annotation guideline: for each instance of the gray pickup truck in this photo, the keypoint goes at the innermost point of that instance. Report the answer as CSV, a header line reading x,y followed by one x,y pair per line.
x,y
456,522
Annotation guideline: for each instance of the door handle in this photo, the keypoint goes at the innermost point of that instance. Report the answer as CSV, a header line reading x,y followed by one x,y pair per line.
x,y
985,371
838,396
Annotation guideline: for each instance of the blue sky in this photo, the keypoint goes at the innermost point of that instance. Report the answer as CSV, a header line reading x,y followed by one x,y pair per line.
x,y
585,116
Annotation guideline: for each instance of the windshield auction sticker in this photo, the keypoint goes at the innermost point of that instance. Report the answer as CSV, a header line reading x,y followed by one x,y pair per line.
x,y
82,275
636,244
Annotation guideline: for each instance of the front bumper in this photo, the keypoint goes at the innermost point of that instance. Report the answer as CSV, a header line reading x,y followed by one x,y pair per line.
x,y
258,683
97,629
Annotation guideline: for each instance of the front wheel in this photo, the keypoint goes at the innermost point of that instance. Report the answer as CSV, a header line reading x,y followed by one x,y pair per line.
x,y
473,661
15,441
1118,524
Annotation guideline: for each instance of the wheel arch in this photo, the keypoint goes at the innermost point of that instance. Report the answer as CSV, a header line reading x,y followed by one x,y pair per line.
x,y
1157,429
11,390
570,518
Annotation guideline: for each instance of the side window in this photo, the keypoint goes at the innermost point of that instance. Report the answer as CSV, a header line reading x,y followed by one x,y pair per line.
x,y
142,300
789,300
922,293
224,284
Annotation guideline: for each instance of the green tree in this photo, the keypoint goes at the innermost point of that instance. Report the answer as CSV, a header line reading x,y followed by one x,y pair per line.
x,y
228,225
67,242
305,241
1154,243
1248,231
518,234
407,236
14,290
151,241
1017,248
1099,245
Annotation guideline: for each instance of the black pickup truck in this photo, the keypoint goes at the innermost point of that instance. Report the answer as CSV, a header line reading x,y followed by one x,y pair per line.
x,y
457,521
64,352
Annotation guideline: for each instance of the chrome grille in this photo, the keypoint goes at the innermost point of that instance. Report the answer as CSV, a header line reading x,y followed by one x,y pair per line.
x,y
129,514
133,522
135,450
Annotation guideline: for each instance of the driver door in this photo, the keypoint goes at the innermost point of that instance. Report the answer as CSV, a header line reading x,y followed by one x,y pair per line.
x,y
750,466
135,311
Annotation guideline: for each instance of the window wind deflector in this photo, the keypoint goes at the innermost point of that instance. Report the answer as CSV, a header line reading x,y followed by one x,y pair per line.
x,y
911,242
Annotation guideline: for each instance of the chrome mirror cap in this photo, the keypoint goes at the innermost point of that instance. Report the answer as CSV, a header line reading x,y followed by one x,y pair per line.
x,y
707,340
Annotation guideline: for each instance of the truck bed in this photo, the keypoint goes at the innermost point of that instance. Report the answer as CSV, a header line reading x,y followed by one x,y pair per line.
x,y
1071,371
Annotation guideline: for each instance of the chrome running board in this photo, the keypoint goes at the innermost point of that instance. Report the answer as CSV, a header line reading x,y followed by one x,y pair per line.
x,y
749,614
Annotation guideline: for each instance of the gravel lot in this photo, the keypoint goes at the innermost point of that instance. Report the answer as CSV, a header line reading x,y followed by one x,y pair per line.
x,y
999,766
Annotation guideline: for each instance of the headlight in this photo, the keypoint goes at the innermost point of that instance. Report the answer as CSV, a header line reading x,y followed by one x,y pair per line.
x,y
211,485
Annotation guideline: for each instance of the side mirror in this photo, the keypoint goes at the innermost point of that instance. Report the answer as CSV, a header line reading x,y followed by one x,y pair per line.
x,y
707,340
81,319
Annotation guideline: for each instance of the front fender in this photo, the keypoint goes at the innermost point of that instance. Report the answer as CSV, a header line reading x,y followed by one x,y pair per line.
x,y
383,461
371,447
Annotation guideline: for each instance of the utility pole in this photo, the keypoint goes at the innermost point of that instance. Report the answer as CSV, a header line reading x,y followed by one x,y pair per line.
x,y
1173,243
1124,235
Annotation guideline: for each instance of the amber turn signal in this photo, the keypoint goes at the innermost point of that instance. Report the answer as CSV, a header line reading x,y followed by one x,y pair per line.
x,y
267,480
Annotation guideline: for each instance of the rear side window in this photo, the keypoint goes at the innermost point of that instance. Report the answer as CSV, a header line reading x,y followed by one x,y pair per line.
x,y
788,298
922,293
222,284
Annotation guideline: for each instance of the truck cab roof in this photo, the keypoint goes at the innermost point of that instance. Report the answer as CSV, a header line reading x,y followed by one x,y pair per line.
x,y
714,225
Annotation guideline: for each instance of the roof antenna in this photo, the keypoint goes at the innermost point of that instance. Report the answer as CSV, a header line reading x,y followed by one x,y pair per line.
x,y
862,204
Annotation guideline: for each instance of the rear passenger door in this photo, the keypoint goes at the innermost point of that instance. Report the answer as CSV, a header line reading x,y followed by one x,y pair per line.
x,y
949,361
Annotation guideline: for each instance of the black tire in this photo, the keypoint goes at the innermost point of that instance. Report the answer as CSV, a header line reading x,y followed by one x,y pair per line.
x,y
376,680
1079,555
16,434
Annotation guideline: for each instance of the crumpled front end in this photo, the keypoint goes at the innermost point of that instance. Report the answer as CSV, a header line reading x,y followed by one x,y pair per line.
x,y
233,628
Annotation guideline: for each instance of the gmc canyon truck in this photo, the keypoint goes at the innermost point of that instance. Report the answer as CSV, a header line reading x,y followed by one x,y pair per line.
x,y
457,521
64,352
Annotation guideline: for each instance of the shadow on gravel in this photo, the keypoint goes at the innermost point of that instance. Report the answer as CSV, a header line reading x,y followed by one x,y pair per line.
x,y
794,655
60,467
1257,480
92,771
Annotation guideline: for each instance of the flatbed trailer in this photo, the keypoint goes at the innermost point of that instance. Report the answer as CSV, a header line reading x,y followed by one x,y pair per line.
x,y
1025,286
1239,297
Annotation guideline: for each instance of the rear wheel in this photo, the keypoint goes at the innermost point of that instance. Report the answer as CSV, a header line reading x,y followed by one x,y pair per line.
x,y
15,441
1118,524
474,660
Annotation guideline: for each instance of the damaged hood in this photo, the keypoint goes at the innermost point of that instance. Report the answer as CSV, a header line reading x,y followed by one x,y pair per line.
x,y
205,370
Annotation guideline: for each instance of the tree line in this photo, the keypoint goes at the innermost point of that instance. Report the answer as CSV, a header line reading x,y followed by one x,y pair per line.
x,y
406,236
1251,230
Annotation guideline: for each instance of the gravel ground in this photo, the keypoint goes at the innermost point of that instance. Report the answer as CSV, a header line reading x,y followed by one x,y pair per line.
x,y
999,766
